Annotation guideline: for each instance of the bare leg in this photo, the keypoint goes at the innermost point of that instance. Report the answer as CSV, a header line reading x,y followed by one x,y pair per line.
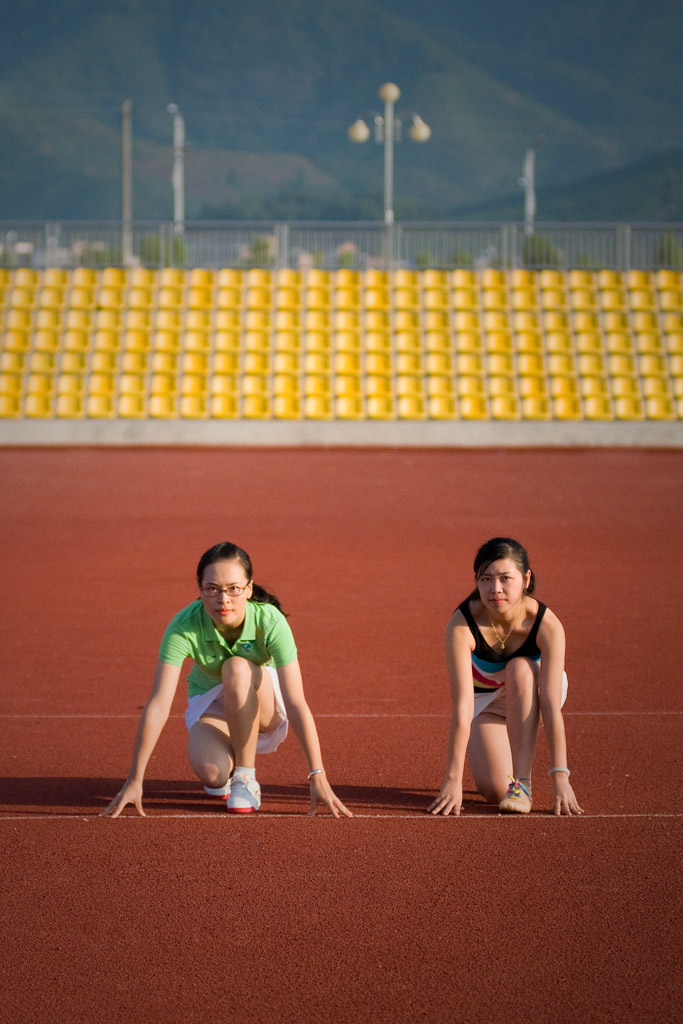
x,y
210,752
521,686
249,707
489,756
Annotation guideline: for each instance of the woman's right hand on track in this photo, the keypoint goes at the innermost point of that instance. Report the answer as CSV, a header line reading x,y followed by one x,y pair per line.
x,y
131,793
449,799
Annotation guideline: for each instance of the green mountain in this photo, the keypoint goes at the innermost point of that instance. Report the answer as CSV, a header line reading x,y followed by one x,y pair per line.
x,y
268,91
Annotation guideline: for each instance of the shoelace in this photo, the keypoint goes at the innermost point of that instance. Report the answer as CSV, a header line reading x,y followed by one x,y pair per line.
x,y
250,784
515,787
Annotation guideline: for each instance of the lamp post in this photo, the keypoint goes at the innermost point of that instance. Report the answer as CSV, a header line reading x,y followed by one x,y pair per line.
x,y
127,182
528,183
388,130
178,177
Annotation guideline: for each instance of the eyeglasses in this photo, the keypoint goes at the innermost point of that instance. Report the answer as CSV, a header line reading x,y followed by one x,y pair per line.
x,y
233,590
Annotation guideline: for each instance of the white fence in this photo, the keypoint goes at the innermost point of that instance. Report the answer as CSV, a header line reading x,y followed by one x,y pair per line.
x,y
343,244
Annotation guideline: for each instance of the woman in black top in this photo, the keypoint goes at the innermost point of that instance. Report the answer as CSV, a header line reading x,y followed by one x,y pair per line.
x,y
505,657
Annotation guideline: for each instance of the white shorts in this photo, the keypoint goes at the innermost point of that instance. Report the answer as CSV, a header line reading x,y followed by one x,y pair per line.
x,y
212,702
495,703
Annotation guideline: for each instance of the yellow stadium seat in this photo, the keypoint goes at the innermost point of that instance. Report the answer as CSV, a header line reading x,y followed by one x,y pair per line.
x,y
589,342
442,407
229,277
558,342
408,363
667,280
471,363
226,362
619,343
226,341
10,406
524,300
406,299
465,300
652,365
194,407
12,362
347,341
628,407
555,320
470,385
639,279
567,407
579,279
70,406
462,277
533,387
106,340
349,407
650,343
136,341
228,298
536,407
435,299
505,407
594,387
525,320
47,341
38,405
287,407
378,362
318,407
377,341
529,341
100,383
375,278
494,299
564,387
439,384
224,407
199,298
131,406
598,407
411,407
317,341
437,341
500,363
583,300
224,384
656,387
286,384
378,386
376,299
591,364
473,407
468,342
660,408
500,386
433,278
317,362
380,407
621,364
83,277
18,320
624,386
315,277
676,364
100,406
11,384
438,363
42,362
163,406
499,341
670,301
132,384
407,341
409,384
613,300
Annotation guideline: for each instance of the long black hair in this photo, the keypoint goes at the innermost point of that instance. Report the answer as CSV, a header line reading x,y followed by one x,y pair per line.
x,y
227,552
502,547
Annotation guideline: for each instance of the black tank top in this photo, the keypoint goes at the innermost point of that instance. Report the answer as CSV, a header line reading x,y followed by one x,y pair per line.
x,y
483,652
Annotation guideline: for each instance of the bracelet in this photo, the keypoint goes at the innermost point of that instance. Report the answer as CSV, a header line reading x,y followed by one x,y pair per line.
x,y
316,771
564,770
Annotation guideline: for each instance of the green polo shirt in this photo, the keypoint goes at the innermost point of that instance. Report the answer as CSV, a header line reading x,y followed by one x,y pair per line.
x,y
266,639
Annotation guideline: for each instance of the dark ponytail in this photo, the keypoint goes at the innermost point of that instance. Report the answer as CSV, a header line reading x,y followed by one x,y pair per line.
x,y
227,552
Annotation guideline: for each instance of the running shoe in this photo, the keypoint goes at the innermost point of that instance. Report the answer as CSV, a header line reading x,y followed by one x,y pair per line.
x,y
222,792
517,800
245,795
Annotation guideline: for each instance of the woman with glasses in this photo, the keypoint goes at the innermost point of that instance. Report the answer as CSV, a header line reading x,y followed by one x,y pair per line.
x,y
244,689
505,657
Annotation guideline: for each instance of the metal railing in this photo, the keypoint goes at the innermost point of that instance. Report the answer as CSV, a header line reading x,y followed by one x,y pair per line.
x,y
344,244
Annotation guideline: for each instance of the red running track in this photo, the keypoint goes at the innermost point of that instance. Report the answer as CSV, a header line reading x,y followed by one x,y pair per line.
x,y
394,916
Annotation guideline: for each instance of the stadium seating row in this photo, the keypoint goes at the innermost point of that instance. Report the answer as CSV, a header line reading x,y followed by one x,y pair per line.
x,y
170,343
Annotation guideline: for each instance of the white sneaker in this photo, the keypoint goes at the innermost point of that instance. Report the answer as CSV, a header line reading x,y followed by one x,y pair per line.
x,y
222,792
245,795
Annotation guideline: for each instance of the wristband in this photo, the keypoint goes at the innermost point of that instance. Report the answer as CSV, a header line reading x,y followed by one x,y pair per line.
x,y
564,770
316,771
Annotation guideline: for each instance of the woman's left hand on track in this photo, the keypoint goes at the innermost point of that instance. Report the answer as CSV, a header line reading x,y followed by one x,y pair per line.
x,y
322,792
130,793
564,800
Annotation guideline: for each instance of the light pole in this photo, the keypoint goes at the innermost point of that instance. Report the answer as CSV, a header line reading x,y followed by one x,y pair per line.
x,y
178,177
388,130
127,182
528,183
